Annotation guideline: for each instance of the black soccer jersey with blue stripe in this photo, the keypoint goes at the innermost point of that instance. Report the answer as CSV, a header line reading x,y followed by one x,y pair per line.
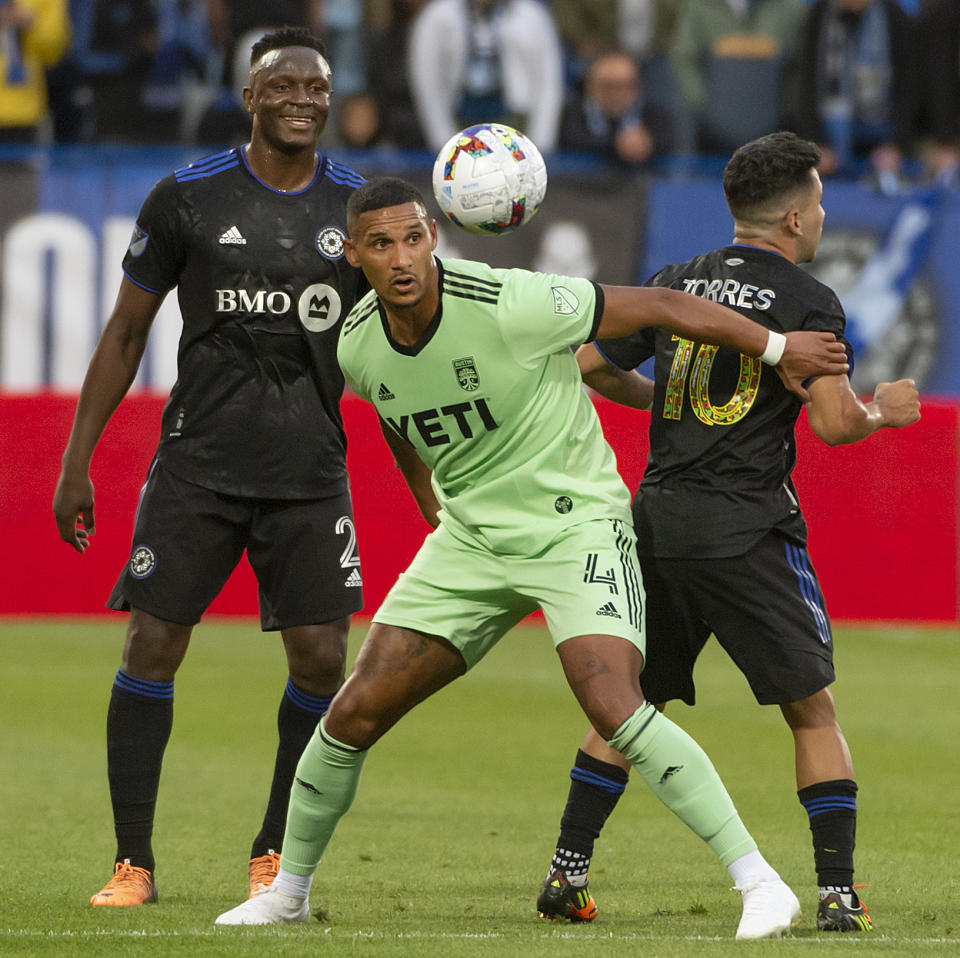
x,y
263,287
722,444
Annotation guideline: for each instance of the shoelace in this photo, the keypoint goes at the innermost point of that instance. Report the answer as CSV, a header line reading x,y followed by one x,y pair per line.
x,y
126,874
264,869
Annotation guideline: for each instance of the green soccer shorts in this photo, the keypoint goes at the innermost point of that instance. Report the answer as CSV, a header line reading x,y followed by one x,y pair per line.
x,y
586,582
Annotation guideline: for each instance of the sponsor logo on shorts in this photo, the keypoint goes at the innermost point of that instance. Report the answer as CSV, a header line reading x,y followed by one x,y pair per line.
x,y
354,579
329,242
142,562
563,505
608,608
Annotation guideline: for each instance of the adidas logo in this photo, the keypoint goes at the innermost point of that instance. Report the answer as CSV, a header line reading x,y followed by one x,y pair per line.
x,y
671,770
232,237
354,579
384,393
609,608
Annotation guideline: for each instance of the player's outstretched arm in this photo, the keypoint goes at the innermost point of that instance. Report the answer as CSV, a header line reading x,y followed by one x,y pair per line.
x,y
416,473
112,369
837,416
624,386
628,309
799,355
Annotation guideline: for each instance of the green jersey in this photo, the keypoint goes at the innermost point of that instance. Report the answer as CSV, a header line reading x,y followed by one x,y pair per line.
x,y
492,400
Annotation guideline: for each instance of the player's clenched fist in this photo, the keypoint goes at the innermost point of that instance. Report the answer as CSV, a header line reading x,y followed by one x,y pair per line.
x,y
899,402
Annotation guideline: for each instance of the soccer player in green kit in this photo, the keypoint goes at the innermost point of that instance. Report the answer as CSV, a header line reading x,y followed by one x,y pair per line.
x,y
473,376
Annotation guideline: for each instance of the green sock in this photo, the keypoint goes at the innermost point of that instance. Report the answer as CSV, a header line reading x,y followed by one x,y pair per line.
x,y
323,789
684,779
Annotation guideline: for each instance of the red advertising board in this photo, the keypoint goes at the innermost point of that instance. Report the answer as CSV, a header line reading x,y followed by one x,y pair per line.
x,y
883,514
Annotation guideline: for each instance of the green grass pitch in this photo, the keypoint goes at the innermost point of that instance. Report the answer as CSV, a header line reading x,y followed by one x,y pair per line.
x,y
450,835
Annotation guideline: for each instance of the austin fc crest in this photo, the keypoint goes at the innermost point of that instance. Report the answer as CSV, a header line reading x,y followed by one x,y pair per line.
x,y
467,375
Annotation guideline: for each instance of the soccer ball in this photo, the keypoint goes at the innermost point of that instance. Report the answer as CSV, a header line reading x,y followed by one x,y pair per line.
x,y
489,179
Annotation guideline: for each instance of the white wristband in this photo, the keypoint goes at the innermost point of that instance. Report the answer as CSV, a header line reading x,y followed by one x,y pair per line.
x,y
776,344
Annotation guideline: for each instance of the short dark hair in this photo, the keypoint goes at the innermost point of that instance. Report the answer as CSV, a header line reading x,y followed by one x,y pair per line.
x,y
286,37
380,192
766,169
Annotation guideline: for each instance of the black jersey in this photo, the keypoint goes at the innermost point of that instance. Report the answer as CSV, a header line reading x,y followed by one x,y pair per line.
x,y
722,443
263,287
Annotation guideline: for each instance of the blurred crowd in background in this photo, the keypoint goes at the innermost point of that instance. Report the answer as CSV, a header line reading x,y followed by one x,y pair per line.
x,y
875,82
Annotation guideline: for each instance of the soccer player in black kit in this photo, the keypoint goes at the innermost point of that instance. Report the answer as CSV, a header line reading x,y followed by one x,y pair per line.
x,y
252,454
720,534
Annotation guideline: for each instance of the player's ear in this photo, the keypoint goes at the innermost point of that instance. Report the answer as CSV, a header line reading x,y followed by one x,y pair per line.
x,y
248,99
793,222
433,234
350,251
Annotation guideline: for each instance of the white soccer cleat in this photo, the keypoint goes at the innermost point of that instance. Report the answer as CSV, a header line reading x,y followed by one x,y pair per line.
x,y
271,907
770,908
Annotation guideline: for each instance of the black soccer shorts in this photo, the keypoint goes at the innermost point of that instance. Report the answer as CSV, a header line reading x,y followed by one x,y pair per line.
x,y
765,608
187,540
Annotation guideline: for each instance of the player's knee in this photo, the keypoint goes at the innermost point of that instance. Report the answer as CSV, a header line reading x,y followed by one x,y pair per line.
x,y
317,658
814,711
608,712
355,717
319,672
154,648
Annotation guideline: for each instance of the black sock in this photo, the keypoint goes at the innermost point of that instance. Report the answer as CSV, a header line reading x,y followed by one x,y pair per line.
x,y
595,788
832,808
139,720
297,719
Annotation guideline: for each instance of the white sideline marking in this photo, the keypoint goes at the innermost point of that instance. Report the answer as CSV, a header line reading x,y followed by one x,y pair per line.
x,y
851,940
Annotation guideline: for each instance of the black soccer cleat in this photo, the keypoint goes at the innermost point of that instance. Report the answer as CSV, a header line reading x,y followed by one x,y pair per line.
x,y
559,899
841,911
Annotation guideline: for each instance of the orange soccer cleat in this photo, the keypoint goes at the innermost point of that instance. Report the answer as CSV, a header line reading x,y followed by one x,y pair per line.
x,y
129,886
559,899
262,872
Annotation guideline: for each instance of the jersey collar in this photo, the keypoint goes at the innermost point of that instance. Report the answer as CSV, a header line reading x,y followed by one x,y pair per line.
x,y
321,164
428,333
759,249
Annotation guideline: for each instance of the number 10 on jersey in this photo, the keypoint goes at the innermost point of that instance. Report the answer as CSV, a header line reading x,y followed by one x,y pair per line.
x,y
704,409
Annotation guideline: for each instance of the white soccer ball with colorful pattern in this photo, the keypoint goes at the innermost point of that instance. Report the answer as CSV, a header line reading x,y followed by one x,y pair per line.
x,y
489,179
